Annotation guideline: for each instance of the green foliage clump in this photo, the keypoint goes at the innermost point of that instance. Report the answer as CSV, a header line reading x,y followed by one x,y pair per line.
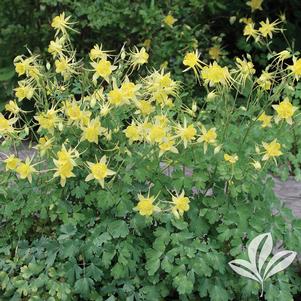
x,y
154,197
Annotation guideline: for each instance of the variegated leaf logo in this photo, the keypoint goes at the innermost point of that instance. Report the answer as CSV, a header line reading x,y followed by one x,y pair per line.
x,y
258,267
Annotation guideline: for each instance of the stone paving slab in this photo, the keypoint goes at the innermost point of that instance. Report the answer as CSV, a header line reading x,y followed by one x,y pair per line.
x,y
290,193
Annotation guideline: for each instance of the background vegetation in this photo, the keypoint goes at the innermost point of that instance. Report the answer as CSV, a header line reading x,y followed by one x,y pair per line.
x,y
200,23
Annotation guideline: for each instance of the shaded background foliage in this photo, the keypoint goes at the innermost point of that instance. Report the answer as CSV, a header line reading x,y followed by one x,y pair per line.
x,y
115,22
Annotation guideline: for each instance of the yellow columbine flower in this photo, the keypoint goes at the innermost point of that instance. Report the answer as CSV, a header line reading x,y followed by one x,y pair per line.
x,y
231,158
255,4
97,53
116,97
24,91
105,109
6,125
245,69
283,55
246,20
60,23
55,48
167,145
138,57
157,133
272,150
180,205
265,80
44,145
25,170
250,31
11,162
84,118
21,68
63,66
13,107
285,110
48,120
67,155
211,96
97,96
208,137
267,29
161,120
72,110
186,133
145,107
265,120
132,132
33,72
215,53
65,164
92,131
129,90
102,68
161,97
145,205
256,165
63,170
160,82
23,65
169,20
215,74
99,171
192,61
296,68
147,43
